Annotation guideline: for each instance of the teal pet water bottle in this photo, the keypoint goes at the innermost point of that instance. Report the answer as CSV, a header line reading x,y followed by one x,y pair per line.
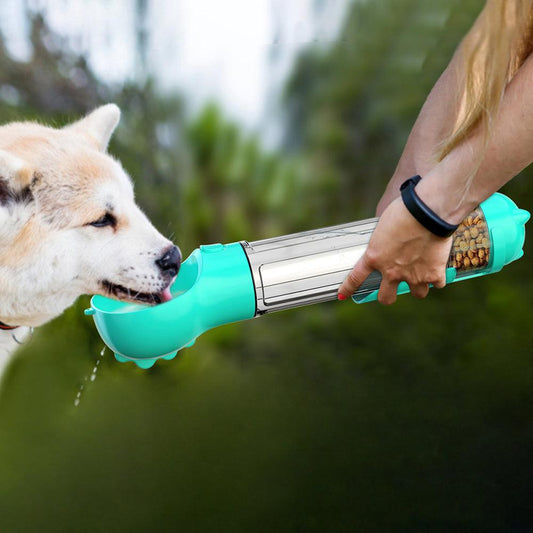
x,y
223,283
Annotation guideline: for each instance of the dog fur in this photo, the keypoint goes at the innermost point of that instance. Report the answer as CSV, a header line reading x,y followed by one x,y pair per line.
x,y
69,225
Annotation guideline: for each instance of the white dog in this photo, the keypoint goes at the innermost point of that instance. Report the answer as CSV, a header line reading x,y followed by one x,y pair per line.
x,y
69,226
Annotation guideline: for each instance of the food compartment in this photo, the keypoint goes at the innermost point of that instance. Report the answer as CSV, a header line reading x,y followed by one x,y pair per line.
x,y
471,247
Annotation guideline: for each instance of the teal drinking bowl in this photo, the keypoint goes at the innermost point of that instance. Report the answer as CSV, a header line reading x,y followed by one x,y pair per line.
x,y
214,286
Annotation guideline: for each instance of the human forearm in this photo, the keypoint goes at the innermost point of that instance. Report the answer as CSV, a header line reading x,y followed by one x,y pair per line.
x,y
469,174
430,128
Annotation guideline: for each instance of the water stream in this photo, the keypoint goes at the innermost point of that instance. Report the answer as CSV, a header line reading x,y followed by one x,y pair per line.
x,y
91,377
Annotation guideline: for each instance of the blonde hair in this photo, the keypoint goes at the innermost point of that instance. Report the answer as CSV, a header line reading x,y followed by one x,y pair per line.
x,y
489,56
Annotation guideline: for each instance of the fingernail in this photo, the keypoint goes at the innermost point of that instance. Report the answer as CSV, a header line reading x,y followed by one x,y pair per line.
x,y
341,297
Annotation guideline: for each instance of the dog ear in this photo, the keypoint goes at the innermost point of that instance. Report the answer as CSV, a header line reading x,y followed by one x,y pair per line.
x,y
15,179
98,125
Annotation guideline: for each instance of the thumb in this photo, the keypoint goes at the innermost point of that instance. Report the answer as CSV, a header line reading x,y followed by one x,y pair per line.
x,y
355,278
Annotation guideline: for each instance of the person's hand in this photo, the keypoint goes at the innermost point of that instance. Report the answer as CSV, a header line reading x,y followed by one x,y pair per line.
x,y
402,250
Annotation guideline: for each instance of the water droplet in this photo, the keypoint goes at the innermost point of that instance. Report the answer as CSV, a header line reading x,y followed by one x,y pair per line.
x,y
93,377
76,402
102,352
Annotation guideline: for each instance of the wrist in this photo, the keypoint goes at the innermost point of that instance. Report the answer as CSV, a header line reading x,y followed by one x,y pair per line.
x,y
450,200
421,212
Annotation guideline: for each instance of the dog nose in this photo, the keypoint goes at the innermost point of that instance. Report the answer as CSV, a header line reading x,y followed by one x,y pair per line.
x,y
170,262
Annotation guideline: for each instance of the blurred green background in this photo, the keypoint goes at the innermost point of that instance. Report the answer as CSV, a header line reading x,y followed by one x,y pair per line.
x,y
334,417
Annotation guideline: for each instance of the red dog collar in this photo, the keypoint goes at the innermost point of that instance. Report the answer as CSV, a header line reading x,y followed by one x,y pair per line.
x,y
6,327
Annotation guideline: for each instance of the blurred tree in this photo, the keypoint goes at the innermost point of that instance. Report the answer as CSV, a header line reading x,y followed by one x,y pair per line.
x,y
53,81
351,105
142,35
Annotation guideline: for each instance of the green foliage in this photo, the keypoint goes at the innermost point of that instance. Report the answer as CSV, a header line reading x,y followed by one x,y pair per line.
x,y
351,106
335,417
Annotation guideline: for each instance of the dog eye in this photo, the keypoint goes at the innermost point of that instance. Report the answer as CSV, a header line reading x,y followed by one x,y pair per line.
x,y
106,220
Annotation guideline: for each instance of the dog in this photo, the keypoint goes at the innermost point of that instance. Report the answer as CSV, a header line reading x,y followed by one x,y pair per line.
x,y
69,226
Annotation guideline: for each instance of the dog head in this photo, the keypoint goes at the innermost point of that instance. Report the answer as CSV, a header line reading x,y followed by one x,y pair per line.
x,y
69,224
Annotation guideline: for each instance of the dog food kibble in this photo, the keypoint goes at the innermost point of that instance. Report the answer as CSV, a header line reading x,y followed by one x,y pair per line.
x,y
471,244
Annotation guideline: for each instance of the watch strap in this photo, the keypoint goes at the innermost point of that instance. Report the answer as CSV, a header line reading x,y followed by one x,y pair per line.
x,y
425,215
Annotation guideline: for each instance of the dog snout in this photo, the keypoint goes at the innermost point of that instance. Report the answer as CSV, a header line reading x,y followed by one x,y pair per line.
x,y
170,262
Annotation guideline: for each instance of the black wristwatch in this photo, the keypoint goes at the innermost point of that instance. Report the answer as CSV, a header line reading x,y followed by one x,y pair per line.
x,y
426,216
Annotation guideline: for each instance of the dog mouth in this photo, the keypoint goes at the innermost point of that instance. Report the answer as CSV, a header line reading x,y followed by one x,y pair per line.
x,y
119,292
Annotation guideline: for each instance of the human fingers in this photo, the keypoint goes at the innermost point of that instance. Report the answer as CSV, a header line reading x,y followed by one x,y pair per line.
x,y
440,282
388,291
419,290
353,280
